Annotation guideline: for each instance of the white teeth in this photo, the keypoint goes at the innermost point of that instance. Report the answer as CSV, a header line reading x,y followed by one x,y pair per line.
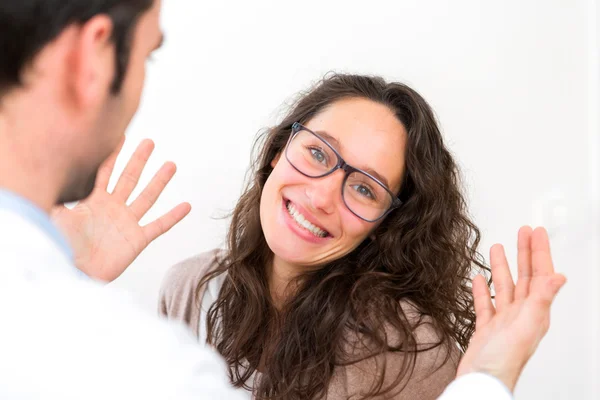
x,y
303,222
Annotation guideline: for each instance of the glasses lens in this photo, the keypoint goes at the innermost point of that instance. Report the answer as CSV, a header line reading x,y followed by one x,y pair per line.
x,y
310,155
366,197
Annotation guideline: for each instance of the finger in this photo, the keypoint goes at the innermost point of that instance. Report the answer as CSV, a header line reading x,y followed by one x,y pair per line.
x,y
523,262
547,292
541,258
503,282
166,222
150,194
107,167
484,309
132,172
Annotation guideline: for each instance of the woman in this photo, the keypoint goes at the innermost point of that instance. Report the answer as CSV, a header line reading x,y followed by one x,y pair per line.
x,y
349,254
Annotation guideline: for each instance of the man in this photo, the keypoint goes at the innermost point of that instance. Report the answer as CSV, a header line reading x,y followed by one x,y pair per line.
x,y
71,76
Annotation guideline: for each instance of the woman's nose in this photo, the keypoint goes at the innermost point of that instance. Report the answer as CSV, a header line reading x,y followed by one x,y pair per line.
x,y
325,193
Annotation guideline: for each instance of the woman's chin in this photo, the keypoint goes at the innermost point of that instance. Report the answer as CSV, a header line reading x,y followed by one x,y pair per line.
x,y
291,255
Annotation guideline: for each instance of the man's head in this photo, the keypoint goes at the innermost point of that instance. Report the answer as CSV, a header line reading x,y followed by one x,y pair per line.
x,y
78,66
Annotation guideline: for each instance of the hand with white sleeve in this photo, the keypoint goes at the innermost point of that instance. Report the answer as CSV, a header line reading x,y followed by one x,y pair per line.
x,y
508,334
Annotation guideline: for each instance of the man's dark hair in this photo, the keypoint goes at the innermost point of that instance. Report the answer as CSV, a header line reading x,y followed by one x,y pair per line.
x,y
27,26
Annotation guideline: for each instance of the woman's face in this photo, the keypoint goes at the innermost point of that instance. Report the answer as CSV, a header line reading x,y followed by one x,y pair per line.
x,y
305,220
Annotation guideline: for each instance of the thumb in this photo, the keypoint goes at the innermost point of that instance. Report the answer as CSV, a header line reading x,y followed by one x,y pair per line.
x,y
547,292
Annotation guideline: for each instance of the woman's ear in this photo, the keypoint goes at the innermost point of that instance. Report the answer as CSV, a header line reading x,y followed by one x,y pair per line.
x,y
275,160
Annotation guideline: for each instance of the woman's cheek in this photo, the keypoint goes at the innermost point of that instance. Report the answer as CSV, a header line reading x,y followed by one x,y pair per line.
x,y
354,228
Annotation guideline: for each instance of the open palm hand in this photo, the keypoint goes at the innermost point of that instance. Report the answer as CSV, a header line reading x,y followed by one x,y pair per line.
x,y
105,231
508,333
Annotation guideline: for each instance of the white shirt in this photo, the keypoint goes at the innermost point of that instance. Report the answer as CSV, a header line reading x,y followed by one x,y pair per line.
x,y
66,337
476,386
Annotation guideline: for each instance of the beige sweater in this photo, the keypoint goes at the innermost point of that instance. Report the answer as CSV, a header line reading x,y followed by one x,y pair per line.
x,y
431,375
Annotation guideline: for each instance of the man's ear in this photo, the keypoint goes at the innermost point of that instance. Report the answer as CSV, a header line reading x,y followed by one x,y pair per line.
x,y
93,62
275,160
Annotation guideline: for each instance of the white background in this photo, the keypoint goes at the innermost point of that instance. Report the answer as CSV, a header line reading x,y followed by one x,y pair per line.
x,y
514,84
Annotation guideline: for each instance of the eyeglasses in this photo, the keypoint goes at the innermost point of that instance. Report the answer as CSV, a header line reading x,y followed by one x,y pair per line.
x,y
364,195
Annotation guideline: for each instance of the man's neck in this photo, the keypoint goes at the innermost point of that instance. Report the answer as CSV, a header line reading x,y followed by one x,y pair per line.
x,y
23,168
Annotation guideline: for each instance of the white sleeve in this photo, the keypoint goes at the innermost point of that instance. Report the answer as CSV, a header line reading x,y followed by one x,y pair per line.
x,y
194,372
65,341
476,386
165,361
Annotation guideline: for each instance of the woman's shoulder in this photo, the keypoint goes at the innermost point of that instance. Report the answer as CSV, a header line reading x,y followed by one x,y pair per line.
x,y
424,329
435,362
190,271
432,345
436,359
179,294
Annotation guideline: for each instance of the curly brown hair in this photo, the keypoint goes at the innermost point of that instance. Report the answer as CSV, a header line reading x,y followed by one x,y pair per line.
x,y
424,253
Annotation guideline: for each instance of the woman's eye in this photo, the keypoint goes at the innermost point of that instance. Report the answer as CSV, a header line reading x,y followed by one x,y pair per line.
x,y
319,156
364,191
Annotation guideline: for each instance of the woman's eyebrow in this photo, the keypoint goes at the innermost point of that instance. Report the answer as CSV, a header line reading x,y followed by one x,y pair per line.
x,y
330,139
377,176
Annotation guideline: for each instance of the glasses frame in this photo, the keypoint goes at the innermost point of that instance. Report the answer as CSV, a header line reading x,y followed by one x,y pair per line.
x,y
344,166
